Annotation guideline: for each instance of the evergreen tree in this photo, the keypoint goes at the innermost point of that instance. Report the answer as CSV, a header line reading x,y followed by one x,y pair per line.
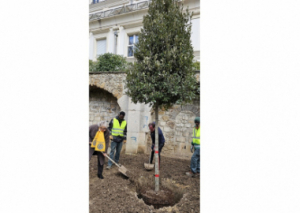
x,y
162,74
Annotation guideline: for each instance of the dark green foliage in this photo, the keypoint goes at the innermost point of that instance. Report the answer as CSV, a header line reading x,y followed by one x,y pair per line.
x,y
196,65
109,62
163,71
91,66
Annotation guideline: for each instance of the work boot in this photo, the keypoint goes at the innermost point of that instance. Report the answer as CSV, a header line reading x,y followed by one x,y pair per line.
x,y
100,176
108,167
190,174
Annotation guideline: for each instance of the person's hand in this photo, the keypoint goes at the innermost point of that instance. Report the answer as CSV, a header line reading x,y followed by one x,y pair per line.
x,y
110,137
192,149
90,142
124,141
104,153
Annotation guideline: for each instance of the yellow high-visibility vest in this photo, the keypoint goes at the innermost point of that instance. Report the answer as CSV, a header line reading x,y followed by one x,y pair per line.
x,y
117,129
196,137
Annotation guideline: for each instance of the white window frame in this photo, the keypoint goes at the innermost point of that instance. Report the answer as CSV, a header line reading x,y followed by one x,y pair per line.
x,y
131,45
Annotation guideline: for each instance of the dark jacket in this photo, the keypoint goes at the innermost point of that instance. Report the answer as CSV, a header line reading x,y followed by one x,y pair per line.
x,y
92,132
161,138
118,139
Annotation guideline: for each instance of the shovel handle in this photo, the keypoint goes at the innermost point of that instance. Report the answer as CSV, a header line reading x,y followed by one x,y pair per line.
x,y
111,160
150,155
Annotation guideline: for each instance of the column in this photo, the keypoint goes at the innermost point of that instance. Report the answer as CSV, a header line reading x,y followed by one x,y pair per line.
x,y
91,46
110,41
121,38
133,128
137,117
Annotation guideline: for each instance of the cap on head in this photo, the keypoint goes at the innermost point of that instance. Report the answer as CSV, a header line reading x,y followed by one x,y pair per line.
x,y
197,120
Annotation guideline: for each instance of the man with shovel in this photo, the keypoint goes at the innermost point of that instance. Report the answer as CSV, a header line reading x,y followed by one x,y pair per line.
x,y
161,140
118,129
195,160
102,126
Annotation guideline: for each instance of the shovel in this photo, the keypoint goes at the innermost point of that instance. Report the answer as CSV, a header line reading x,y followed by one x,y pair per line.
x,y
122,169
149,166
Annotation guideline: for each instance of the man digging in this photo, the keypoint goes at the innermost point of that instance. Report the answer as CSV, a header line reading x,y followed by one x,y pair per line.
x,y
161,140
195,160
93,129
118,129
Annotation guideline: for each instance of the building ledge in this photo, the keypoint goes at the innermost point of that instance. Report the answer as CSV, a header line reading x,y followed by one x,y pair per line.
x,y
120,10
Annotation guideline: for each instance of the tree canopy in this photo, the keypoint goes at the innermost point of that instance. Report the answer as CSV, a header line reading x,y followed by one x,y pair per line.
x,y
163,74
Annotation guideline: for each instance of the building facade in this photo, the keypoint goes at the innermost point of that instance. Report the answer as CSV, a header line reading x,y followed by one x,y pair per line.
x,y
114,26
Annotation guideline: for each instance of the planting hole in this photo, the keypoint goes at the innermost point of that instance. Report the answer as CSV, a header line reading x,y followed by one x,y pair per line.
x,y
168,194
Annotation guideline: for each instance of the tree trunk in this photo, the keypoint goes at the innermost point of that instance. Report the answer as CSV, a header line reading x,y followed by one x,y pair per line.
x,y
156,151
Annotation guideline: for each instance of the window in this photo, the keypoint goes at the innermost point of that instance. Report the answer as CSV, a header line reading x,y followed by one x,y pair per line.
x,y
101,47
97,1
132,41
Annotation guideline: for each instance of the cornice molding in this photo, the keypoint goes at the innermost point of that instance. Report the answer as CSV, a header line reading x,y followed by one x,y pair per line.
x,y
120,15
126,25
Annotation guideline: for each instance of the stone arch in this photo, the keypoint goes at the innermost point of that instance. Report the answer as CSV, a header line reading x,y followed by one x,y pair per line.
x,y
102,105
194,107
111,82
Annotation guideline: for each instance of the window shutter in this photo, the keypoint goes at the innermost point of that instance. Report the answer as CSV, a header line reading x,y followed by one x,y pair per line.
x,y
101,47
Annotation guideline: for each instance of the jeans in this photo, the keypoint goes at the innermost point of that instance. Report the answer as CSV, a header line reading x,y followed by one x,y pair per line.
x,y
195,161
115,146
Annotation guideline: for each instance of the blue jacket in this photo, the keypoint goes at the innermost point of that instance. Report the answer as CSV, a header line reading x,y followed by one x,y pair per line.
x,y
161,138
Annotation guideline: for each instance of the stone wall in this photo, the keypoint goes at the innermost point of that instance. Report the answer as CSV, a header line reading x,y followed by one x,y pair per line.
x,y
177,125
113,82
103,105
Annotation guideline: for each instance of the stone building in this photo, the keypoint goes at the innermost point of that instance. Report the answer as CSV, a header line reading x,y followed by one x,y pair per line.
x,y
114,27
